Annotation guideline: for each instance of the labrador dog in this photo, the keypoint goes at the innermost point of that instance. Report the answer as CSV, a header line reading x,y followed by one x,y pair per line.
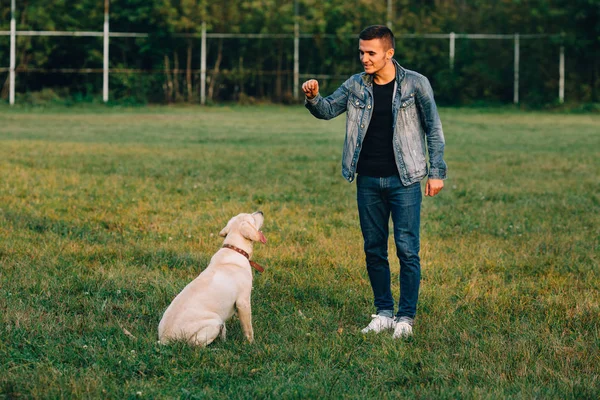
x,y
198,314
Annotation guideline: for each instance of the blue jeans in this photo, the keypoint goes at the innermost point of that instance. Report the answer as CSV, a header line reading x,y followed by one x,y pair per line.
x,y
377,199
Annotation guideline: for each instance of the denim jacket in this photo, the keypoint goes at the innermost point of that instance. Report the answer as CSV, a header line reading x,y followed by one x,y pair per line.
x,y
417,127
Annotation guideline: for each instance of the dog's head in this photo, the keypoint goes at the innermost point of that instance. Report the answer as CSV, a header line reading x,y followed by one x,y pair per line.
x,y
247,226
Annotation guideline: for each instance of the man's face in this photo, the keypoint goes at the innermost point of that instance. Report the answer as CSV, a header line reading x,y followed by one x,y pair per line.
x,y
373,54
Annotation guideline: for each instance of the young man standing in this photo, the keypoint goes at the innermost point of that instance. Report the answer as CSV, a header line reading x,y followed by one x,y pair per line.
x,y
391,123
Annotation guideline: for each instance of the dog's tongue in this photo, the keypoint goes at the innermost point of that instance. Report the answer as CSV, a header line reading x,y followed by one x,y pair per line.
x,y
263,239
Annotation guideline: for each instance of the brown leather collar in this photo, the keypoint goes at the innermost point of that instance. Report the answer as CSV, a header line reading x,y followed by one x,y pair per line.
x,y
242,252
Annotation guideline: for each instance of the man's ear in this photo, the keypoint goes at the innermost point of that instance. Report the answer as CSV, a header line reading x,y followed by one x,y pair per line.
x,y
251,233
389,54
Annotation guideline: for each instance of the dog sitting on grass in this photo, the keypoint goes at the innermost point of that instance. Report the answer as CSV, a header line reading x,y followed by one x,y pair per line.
x,y
198,314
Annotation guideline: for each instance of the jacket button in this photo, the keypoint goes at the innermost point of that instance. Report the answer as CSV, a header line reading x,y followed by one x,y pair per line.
x,y
369,106
357,103
362,125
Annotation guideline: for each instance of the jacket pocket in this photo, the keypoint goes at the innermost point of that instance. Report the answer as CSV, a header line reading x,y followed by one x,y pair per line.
x,y
355,101
356,106
408,101
408,110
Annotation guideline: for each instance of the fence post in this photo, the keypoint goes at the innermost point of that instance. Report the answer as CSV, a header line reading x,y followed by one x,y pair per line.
x,y
13,55
203,65
296,59
516,77
105,66
296,51
561,73
452,43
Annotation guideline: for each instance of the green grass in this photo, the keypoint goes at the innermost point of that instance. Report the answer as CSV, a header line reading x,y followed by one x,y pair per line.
x,y
106,214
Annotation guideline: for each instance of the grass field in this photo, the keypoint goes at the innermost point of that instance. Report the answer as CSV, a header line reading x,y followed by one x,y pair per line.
x,y
106,214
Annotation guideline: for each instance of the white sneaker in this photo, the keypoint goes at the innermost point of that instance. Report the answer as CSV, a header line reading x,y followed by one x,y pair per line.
x,y
379,323
403,329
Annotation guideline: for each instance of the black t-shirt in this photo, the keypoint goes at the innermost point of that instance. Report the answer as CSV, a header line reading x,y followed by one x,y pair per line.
x,y
377,155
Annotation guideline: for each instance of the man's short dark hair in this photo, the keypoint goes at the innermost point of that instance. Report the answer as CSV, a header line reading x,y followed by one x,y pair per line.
x,y
379,32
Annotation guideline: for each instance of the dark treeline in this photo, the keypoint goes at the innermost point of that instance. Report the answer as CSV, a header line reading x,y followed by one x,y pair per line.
x,y
165,67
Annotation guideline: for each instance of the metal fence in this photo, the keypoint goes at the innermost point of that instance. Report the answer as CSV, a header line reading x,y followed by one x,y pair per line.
x,y
106,34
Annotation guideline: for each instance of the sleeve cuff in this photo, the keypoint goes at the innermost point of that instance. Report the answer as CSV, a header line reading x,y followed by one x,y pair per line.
x,y
435,173
312,101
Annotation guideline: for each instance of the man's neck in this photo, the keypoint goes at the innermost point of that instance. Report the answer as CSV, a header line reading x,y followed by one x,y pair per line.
x,y
385,75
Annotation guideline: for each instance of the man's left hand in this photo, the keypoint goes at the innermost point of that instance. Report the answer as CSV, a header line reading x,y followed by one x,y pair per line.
x,y
433,187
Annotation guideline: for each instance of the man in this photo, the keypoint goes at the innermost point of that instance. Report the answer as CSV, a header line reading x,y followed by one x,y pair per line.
x,y
391,122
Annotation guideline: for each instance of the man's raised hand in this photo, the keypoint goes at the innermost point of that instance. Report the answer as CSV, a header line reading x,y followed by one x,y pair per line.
x,y
310,88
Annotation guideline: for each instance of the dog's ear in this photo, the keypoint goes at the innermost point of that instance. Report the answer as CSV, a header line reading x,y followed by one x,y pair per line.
x,y
251,233
225,230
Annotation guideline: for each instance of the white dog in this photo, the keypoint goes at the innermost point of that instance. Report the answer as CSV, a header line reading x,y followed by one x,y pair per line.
x,y
199,312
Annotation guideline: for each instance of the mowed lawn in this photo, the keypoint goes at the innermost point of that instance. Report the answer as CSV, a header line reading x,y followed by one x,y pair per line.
x,y
107,213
